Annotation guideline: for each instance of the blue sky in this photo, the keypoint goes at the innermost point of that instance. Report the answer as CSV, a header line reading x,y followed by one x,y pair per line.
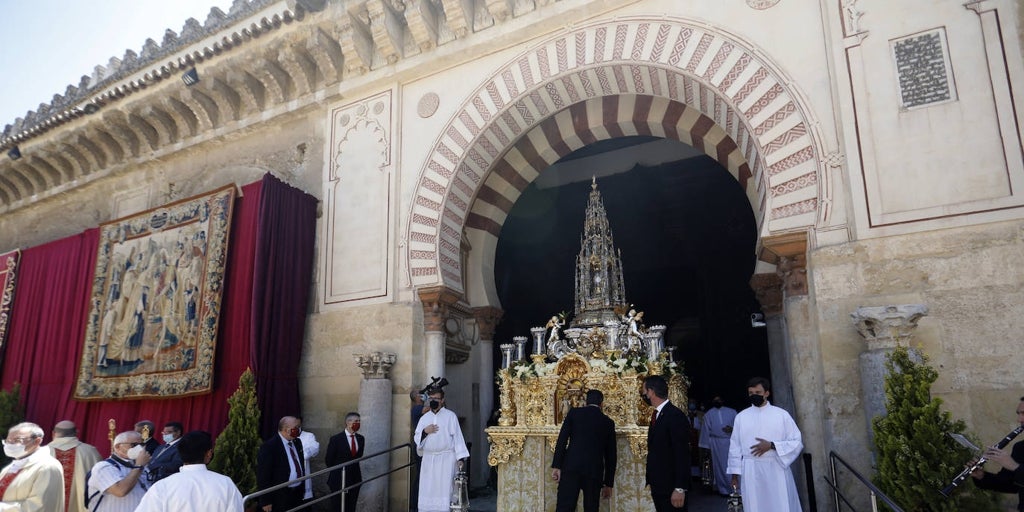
x,y
46,45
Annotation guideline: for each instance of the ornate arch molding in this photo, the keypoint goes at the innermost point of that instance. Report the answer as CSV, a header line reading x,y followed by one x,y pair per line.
x,y
663,77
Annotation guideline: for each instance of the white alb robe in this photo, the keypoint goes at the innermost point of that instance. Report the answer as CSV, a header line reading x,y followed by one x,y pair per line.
x,y
39,486
440,451
766,482
714,438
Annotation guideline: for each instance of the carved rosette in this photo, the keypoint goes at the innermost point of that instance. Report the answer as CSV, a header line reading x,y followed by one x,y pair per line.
x,y
375,365
504,447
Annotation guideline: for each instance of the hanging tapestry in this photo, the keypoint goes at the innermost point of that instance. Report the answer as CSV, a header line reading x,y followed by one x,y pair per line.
x,y
8,275
156,300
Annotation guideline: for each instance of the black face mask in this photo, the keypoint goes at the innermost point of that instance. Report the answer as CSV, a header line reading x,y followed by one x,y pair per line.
x,y
434,405
756,400
645,399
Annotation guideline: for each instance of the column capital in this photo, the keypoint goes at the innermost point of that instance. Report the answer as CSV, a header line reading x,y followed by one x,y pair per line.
x,y
375,365
436,302
487,319
768,290
885,327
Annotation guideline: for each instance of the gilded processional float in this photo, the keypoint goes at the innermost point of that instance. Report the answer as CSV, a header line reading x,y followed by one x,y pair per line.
x,y
606,347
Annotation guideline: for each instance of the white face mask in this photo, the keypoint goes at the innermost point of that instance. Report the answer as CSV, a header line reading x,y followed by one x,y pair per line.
x,y
135,451
14,450
168,438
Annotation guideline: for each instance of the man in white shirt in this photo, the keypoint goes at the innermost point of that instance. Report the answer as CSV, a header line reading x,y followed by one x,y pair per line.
x,y
34,480
194,488
439,441
765,441
116,484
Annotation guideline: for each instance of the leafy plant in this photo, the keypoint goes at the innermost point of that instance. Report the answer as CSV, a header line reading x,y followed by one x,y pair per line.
x,y
12,412
916,456
235,451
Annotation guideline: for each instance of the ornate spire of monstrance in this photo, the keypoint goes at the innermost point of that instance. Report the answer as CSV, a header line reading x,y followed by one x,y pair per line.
x,y
599,285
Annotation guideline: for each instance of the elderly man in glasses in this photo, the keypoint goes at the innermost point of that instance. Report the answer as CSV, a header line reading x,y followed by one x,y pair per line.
x,y
116,483
34,480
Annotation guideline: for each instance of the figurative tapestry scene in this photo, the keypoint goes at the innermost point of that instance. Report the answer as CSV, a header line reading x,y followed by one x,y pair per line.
x,y
155,303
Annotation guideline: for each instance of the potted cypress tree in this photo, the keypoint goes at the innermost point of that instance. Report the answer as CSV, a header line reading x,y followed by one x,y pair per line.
x,y
234,453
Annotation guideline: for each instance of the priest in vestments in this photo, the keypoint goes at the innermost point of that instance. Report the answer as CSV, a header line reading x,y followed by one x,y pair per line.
x,y
34,481
77,458
439,441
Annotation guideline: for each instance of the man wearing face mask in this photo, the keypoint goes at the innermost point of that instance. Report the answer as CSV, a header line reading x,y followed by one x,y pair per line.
x,y
714,436
116,483
280,460
439,441
764,443
34,480
343,447
166,461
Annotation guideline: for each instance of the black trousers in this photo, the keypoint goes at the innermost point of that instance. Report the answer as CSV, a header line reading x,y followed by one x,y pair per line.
x,y
351,497
569,486
288,498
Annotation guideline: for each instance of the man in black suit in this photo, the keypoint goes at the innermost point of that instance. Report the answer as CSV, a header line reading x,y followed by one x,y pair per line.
x,y
585,456
343,447
166,461
1010,478
668,448
280,460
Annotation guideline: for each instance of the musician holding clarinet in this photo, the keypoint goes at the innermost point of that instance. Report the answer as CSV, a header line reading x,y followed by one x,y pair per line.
x,y
1010,478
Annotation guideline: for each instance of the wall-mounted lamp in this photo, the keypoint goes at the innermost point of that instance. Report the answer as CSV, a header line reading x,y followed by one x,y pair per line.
x,y
757,320
14,153
191,77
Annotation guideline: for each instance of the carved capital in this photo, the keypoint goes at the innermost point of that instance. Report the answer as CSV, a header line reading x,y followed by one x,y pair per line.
x,y
375,365
885,327
487,319
788,252
436,302
768,290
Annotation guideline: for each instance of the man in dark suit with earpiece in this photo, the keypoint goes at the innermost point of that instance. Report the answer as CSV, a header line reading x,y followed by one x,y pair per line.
x,y
345,446
280,460
585,456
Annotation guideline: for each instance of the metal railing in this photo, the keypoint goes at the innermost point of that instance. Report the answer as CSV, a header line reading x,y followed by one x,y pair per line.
x,y
343,467
876,493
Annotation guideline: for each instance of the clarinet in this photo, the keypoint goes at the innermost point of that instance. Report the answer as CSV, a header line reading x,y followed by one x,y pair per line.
x,y
959,479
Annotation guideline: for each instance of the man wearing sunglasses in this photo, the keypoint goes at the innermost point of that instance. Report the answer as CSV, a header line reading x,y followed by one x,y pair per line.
x,y
116,484
34,480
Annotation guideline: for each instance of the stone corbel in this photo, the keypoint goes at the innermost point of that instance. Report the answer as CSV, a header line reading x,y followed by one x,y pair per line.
x,y
437,301
487,319
788,252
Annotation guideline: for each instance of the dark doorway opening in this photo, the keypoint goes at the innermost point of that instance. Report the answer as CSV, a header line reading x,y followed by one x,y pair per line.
x,y
687,236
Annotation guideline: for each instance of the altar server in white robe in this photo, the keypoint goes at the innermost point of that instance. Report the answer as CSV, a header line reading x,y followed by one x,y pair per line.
x,y
34,481
765,441
714,435
439,441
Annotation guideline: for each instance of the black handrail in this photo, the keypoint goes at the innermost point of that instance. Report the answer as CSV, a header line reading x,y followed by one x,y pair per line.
x,y
840,499
343,467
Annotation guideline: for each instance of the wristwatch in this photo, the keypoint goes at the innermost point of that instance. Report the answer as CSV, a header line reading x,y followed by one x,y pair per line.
x,y
679,490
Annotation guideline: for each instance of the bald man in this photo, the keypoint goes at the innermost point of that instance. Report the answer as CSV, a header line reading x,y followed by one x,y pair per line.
x,y
77,458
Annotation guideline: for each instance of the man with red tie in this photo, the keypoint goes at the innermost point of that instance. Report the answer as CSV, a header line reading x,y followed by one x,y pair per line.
x,y
345,446
280,460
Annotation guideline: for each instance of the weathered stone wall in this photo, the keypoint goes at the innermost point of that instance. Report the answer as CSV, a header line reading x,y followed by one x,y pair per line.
x,y
967,278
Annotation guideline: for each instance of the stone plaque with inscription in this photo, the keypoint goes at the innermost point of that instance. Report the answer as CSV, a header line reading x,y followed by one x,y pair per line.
x,y
923,69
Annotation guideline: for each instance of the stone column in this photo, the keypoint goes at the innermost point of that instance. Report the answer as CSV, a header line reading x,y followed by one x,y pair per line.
x,y
768,290
375,401
883,328
436,303
487,318
798,328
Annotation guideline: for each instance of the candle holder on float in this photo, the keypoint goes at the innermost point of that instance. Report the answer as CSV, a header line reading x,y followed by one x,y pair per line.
x,y
520,342
506,354
538,340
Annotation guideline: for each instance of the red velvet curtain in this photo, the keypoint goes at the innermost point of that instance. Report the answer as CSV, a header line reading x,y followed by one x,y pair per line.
x,y
282,277
48,319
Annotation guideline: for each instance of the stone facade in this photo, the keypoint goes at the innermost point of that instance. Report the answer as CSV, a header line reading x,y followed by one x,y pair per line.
x,y
875,180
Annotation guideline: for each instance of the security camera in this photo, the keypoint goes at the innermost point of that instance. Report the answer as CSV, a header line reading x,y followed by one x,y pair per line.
x,y
757,320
